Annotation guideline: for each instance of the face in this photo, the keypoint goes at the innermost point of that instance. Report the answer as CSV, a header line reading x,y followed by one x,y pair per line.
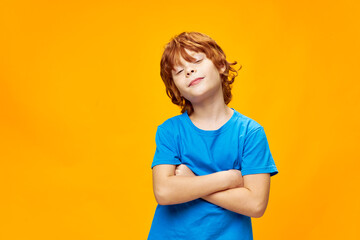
x,y
202,67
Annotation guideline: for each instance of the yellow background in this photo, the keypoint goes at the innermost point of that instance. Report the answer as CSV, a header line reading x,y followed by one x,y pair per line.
x,y
81,97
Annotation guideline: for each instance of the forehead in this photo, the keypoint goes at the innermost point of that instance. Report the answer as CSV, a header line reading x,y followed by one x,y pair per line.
x,y
189,55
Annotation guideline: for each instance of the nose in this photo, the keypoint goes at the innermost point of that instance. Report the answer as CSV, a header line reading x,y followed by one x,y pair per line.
x,y
192,71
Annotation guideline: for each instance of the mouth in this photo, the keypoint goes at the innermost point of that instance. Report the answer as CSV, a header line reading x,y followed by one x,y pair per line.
x,y
195,81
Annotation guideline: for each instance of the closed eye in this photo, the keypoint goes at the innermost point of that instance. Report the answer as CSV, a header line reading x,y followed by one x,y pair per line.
x,y
195,62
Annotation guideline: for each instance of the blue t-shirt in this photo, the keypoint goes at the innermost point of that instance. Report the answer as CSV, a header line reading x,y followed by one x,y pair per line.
x,y
240,144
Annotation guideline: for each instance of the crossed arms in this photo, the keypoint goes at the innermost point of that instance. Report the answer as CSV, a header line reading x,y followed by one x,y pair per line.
x,y
247,195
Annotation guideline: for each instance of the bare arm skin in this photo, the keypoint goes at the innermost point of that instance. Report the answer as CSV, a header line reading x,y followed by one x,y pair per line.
x,y
171,189
250,199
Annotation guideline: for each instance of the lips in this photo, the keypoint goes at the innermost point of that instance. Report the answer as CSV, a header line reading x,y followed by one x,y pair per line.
x,y
195,80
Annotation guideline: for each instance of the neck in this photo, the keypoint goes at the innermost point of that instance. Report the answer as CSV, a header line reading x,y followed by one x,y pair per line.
x,y
211,111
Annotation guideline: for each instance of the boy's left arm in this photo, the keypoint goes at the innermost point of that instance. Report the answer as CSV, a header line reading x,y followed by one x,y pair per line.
x,y
250,200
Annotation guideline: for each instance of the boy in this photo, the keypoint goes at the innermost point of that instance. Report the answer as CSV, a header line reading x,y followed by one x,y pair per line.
x,y
212,165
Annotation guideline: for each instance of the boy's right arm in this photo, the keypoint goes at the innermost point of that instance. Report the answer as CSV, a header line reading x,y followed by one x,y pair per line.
x,y
171,189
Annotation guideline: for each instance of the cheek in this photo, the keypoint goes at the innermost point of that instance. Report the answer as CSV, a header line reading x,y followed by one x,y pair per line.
x,y
178,87
179,83
215,74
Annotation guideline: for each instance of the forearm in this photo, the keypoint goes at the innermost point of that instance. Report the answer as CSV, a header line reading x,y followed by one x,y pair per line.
x,y
180,189
240,200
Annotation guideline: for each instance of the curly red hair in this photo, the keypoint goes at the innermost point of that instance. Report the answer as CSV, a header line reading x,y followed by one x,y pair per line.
x,y
197,42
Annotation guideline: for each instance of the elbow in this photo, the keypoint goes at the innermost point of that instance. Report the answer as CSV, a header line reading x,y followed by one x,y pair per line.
x,y
161,197
164,193
258,214
161,200
259,210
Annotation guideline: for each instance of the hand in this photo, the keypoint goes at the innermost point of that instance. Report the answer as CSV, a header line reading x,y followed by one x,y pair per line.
x,y
236,179
183,170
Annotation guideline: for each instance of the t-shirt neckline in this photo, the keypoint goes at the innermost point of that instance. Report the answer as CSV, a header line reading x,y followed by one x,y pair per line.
x,y
211,132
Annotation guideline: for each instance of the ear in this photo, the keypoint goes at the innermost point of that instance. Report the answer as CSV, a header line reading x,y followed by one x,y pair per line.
x,y
222,70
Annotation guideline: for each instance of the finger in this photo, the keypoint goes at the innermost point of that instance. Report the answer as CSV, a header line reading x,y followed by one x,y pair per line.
x,y
184,166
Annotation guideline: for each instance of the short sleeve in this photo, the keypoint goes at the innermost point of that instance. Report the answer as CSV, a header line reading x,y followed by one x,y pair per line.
x,y
257,157
166,151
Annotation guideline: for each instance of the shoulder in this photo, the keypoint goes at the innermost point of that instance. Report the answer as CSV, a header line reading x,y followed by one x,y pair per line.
x,y
171,126
170,123
248,124
168,132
